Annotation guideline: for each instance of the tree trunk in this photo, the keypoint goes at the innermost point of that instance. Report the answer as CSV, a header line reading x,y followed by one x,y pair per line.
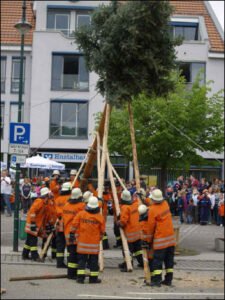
x,y
137,179
92,157
101,174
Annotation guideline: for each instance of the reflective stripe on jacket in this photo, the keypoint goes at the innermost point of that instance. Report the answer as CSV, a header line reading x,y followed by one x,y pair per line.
x,y
91,228
160,225
70,210
129,217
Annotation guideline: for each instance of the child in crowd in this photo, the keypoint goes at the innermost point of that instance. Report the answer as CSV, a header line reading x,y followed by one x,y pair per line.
x,y
180,204
195,199
189,211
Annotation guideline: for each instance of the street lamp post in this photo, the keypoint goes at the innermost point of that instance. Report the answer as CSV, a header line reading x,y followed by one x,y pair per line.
x,y
23,27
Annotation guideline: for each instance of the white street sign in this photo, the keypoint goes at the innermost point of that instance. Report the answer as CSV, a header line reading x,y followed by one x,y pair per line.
x,y
19,149
18,159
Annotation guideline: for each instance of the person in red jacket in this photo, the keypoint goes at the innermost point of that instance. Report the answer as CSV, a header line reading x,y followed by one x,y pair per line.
x,y
160,227
90,226
37,218
70,210
129,221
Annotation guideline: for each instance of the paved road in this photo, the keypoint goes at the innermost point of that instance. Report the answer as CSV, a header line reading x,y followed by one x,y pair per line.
x,y
199,276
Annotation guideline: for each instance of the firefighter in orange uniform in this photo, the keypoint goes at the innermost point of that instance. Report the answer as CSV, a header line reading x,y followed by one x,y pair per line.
x,y
115,226
160,226
37,218
54,184
90,225
70,210
49,228
73,173
129,221
60,237
145,236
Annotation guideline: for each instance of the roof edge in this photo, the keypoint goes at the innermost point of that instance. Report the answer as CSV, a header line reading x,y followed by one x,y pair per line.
x,y
214,19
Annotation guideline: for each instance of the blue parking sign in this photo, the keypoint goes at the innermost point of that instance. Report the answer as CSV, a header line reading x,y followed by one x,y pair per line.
x,y
19,133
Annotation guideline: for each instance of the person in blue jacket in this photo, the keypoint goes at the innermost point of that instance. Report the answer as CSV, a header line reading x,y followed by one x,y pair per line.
x,y
204,207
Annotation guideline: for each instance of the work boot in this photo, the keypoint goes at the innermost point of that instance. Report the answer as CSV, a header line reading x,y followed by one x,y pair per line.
x,y
24,257
122,265
61,266
37,259
80,280
154,283
165,282
94,280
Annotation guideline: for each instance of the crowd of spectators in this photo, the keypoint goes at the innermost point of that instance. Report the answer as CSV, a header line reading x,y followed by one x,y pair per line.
x,y
193,201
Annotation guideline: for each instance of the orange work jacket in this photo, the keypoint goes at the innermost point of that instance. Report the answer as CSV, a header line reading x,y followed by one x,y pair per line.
x,y
38,213
145,236
129,219
221,210
76,184
54,188
59,203
160,225
70,210
91,228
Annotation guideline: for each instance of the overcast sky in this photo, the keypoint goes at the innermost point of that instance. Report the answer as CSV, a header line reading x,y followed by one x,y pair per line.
x,y
218,7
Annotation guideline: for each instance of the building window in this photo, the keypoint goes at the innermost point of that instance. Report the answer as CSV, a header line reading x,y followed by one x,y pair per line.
x,y
69,73
3,74
14,112
82,20
2,119
190,71
68,120
189,31
59,21
15,78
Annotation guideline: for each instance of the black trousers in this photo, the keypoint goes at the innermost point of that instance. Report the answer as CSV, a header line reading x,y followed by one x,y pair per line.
x,y
94,268
165,255
72,261
116,230
60,248
53,246
105,241
30,246
135,251
26,205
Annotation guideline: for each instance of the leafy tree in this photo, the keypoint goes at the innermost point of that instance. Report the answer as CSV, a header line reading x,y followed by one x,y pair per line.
x,y
170,130
129,46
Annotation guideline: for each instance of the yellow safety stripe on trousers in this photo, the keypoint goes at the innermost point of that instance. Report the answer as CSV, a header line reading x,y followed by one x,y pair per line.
x,y
118,238
138,253
169,270
68,254
105,237
26,247
80,272
72,265
94,273
53,250
59,254
152,274
157,272
33,248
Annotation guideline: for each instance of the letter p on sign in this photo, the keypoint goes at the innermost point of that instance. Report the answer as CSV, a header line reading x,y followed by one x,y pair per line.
x,y
18,131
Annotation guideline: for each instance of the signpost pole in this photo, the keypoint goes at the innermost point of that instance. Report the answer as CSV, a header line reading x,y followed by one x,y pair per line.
x,y
16,211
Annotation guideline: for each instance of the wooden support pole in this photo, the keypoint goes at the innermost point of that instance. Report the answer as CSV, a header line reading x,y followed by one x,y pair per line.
x,y
81,167
101,175
20,278
137,179
116,201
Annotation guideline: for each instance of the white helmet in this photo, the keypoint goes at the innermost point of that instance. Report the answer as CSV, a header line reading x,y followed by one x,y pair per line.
x,y
44,192
93,202
56,172
73,172
76,193
157,196
126,195
87,195
142,209
67,186
143,192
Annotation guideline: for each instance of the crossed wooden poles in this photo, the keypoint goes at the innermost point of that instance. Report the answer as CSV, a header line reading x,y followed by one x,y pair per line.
x,y
103,159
